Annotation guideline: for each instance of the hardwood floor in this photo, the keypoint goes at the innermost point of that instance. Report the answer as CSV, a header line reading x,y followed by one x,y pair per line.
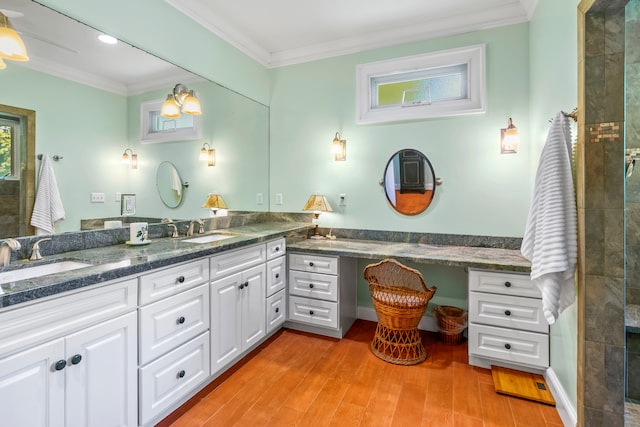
x,y
300,379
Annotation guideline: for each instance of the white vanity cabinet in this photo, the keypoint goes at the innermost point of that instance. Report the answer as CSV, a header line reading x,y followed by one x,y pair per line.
x,y
71,361
322,293
238,291
174,335
506,323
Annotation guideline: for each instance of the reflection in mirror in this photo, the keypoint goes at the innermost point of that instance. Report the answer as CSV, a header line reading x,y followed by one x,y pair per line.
x,y
170,185
409,182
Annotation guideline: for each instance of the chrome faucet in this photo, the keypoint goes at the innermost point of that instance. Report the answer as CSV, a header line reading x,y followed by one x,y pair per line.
x,y
174,230
6,247
35,250
200,229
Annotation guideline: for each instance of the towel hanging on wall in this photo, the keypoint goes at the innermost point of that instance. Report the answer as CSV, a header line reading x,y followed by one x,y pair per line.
x,y
550,238
47,209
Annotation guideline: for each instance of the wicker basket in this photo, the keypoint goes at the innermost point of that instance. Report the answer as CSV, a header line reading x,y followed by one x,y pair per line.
x,y
452,322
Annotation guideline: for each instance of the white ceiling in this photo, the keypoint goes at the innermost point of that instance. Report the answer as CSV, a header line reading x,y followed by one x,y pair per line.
x,y
284,32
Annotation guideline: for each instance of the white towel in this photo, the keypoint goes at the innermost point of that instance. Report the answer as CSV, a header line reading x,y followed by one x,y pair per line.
x,y
550,238
47,209
176,182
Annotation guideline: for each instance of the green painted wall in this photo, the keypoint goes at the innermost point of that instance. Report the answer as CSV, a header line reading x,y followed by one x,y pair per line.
x,y
484,192
554,86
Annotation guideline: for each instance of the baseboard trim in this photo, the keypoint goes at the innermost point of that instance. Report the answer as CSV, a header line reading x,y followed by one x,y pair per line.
x,y
564,406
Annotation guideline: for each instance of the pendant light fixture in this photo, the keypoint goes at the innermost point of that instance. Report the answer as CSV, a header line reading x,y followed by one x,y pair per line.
x,y
11,45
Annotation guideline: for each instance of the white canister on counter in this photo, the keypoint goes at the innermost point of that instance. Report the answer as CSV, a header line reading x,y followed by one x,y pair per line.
x,y
138,232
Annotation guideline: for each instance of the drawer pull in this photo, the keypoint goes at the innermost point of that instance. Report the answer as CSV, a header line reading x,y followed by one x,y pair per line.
x,y
246,284
310,285
76,359
241,286
507,284
277,309
180,320
507,346
310,263
60,365
311,312
180,279
277,248
507,313
181,374
277,276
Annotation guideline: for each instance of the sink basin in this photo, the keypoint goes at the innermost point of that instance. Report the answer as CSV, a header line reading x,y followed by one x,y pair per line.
x,y
209,238
40,270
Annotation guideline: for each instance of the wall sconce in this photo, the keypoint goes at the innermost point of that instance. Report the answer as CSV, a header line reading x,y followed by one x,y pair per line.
x,y
317,203
339,148
11,45
509,139
181,100
130,159
214,202
208,154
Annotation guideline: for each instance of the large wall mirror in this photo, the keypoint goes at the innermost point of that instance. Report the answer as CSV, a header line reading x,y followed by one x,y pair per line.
x,y
88,112
409,182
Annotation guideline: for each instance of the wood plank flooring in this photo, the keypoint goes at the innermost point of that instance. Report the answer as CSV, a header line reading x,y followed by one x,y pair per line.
x,y
300,379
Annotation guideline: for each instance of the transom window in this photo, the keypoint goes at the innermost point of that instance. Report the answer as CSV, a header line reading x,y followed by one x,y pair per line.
x,y
155,128
443,83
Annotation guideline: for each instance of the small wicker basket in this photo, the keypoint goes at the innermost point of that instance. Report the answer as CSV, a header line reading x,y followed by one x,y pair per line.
x,y
452,322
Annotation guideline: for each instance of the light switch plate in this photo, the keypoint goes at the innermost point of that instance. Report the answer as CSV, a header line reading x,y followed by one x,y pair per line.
x,y
279,199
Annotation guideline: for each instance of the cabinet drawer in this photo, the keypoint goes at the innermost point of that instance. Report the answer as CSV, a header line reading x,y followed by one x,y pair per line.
x,y
170,281
276,248
312,285
276,275
232,262
276,311
507,311
168,323
518,347
503,283
173,376
313,263
314,312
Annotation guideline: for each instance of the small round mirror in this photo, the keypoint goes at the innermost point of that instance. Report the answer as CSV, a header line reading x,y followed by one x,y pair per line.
x,y
409,182
170,185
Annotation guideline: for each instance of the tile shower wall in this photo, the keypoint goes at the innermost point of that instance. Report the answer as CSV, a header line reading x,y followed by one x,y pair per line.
x,y
602,205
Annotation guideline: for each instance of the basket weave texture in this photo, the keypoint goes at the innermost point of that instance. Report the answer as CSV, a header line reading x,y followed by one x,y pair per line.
x,y
451,323
400,297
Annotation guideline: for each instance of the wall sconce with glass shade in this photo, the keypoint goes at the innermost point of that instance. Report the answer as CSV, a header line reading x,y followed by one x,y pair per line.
x,y
509,139
182,100
214,203
130,158
339,148
317,203
11,45
207,154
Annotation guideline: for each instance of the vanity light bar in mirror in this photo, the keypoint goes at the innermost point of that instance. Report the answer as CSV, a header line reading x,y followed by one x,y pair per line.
x,y
182,100
207,154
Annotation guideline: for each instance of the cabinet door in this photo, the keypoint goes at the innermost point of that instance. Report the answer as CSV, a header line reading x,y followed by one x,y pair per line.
x,y
102,387
276,311
31,389
276,275
253,308
225,321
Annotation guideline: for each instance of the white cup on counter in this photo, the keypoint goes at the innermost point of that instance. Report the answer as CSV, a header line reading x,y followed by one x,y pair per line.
x,y
138,232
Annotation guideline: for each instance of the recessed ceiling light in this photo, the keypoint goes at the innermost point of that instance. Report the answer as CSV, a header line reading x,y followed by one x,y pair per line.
x,y
107,39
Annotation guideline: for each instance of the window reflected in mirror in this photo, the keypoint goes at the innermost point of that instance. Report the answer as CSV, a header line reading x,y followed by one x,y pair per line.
x,y
409,182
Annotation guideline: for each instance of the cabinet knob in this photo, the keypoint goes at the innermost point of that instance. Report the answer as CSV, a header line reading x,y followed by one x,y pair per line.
x,y
310,263
277,309
507,284
507,312
180,279
277,248
311,312
60,365
76,359
507,346
180,320
181,374
311,285
277,276
241,286
246,284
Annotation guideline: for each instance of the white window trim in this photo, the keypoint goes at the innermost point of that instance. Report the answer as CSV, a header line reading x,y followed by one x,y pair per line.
x,y
474,56
182,134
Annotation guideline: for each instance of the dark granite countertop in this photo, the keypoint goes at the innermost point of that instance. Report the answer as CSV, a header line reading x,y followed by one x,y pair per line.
x,y
455,256
121,260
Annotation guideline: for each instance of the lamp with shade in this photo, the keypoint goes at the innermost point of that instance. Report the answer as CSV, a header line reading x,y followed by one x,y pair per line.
x,y
214,203
317,203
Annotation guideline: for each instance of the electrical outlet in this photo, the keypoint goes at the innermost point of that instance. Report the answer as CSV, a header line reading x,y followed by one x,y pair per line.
x,y
97,198
279,199
343,199
259,198
118,197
